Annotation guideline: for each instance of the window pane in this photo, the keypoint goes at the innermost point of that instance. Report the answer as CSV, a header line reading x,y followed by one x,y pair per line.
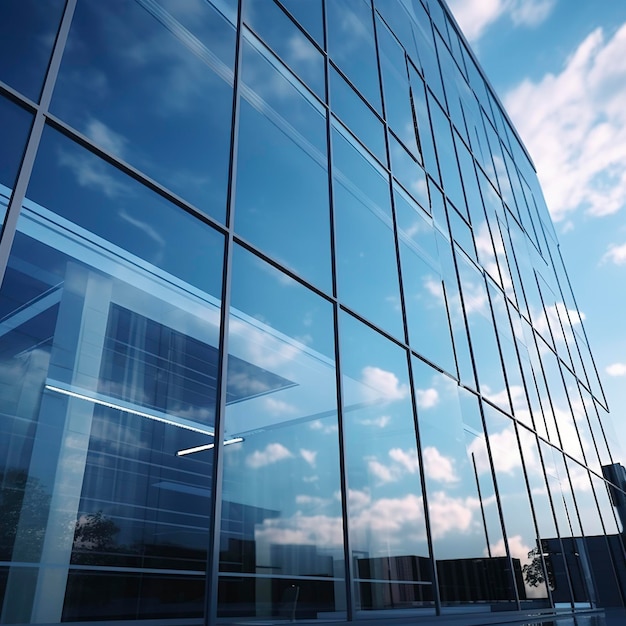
x,y
110,335
284,37
367,270
385,506
14,126
282,514
151,82
351,45
282,179
27,32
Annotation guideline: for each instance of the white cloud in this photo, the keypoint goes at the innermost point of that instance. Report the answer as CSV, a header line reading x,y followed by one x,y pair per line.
x,y
309,456
378,422
272,453
574,124
324,428
407,459
615,254
426,398
383,385
383,473
438,467
105,137
616,369
475,16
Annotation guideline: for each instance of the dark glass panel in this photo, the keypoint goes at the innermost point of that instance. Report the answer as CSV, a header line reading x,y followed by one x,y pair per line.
x,y
14,126
27,33
151,82
367,270
282,180
281,509
385,506
286,39
351,45
309,14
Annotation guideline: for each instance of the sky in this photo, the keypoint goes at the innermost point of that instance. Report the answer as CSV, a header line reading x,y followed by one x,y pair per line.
x,y
559,68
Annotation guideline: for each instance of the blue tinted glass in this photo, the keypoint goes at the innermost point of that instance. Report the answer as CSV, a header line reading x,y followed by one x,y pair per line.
x,y
281,478
396,88
27,32
67,178
14,126
367,273
385,507
151,82
286,39
282,180
309,14
111,331
351,45
407,171
359,118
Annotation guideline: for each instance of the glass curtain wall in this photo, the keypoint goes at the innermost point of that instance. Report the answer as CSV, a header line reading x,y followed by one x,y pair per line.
x,y
285,333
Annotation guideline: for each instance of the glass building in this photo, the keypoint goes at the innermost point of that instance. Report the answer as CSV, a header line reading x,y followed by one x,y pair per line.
x,y
285,332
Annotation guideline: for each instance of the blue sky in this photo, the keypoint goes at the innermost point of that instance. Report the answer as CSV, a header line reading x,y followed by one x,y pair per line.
x,y
559,67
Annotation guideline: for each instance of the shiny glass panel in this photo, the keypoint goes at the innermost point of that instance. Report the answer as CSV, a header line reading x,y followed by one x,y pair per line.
x,y
482,333
574,582
27,33
281,546
456,313
349,107
420,111
351,45
396,88
309,14
523,542
367,269
109,343
151,82
282,180
288,41
385,505
467,571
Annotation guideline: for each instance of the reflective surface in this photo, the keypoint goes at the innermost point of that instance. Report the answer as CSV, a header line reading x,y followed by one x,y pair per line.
x,y
395,412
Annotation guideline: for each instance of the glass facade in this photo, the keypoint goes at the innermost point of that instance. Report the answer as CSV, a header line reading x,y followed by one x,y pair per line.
x,y
285,332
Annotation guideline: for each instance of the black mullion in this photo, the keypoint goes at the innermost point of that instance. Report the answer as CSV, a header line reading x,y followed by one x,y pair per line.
x,y
213,553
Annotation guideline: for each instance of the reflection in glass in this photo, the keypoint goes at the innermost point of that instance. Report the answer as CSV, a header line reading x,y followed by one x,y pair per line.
x,y
27,32
109,347
281,504
291,45
151,82
14,126
385,507
522,537
351,45
367,269
282,180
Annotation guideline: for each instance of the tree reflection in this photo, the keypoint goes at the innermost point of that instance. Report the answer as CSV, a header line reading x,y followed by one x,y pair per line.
x,y
24,504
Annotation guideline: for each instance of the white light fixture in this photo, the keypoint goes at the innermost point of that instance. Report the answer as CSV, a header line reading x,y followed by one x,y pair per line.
x,y
208,446
127,409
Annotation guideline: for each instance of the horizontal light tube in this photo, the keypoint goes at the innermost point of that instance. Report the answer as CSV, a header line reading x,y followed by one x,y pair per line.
x,y
126,409
208,446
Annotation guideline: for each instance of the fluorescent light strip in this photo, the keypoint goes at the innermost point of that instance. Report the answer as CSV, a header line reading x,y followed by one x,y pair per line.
x,y
111,405
208,446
